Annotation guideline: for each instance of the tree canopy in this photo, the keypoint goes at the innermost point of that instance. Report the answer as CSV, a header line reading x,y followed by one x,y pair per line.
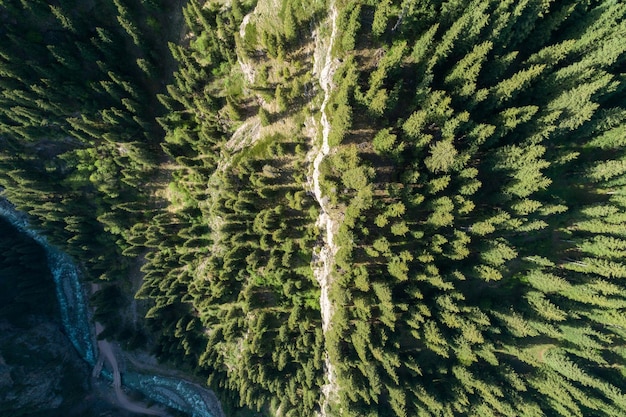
x,y
474,183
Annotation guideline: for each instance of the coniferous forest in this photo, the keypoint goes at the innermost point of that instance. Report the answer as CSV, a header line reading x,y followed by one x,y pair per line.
x,y
337,207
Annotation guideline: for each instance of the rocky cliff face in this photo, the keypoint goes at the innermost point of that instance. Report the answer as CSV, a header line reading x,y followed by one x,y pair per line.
x,y
37,366
41,373
37,361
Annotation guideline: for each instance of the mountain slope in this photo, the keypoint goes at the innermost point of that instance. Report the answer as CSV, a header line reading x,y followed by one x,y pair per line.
x,y
357,208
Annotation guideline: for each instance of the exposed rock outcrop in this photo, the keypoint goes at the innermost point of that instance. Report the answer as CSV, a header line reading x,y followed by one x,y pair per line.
x,y
39,370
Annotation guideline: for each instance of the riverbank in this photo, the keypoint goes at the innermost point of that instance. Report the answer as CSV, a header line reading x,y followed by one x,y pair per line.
x,y
41,372
176,393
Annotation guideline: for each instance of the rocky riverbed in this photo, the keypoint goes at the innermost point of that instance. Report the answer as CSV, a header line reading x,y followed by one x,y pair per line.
x,y
40,286
41,373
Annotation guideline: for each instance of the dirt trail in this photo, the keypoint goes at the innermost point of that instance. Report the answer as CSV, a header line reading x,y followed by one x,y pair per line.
x,y
324,68
105,350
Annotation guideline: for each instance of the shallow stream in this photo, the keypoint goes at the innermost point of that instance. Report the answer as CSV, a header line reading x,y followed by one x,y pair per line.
x,y
175,393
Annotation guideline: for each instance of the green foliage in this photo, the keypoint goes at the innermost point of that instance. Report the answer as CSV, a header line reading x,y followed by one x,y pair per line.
x,y
381,15
475,181
383,141
264,116
494,234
